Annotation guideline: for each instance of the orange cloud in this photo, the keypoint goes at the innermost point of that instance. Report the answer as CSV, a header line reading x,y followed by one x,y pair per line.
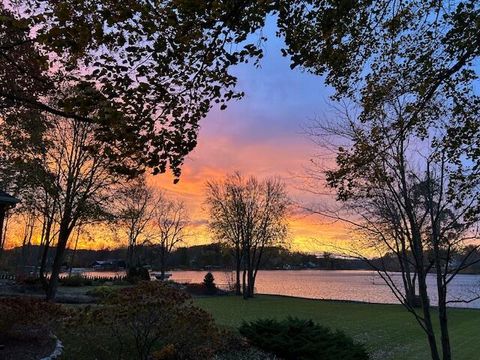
x,y
218,155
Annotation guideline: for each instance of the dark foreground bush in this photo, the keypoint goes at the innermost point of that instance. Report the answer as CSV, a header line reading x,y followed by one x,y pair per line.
x,y
102,292
26,326
149,321
27,318
136,274
296,339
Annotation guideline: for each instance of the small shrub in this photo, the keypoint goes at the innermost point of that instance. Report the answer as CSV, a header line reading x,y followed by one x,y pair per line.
x,y
102,292
209,282
296,339
148,320
136,274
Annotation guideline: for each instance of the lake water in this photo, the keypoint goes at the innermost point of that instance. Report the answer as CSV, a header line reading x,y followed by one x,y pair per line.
x,y
353,285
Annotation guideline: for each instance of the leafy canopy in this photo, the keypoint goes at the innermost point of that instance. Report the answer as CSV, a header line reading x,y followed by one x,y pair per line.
x,y
162,64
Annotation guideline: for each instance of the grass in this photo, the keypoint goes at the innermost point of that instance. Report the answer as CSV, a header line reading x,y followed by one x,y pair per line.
x,y
388,331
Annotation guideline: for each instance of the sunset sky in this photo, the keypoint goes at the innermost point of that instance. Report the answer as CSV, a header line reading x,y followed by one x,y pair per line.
x,y
261,135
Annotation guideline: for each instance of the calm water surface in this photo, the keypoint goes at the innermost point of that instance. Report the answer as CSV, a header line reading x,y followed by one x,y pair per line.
x,y
334,284
357,285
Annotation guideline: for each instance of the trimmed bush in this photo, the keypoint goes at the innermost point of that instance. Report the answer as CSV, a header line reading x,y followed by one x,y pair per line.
x,y
297,339
209,282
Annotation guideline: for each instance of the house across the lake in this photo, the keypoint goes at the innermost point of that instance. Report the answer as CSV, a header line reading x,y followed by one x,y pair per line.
x,y
109,265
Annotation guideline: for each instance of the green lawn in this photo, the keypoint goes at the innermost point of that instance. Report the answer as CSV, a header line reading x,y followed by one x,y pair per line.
x,y
388,331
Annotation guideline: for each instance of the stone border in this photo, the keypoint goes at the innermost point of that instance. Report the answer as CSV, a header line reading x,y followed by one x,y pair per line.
x,y
56,352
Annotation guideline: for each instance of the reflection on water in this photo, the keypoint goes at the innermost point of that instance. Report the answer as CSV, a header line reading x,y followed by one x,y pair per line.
x,y
340,285
331,284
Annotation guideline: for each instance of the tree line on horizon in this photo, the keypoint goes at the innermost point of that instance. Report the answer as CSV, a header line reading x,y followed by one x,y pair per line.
x,y
215,256
218,256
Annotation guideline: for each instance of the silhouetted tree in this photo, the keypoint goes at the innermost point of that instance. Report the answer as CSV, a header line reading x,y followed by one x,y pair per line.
x,y
169,220
250,215
404,202
137,204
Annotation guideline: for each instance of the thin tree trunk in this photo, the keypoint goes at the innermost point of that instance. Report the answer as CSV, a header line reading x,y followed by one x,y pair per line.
x,y
74,251
27,238
238,270
442,315
3,226
47,242
244,278
244,284
130,256
442,306
251,283
422,290
162,262
43,264
63,236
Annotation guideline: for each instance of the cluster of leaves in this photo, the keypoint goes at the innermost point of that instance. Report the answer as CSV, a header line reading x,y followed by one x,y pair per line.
x,y
162,64
27,317
296,339
381,55
151,319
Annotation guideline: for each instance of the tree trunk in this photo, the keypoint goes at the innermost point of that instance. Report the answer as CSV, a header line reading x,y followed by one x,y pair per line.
x,y
63,236
27,240
251,283
255,267
46,247
130,256
238,260
422,290
244,279
73,253
3,212
441,289
442,316
442,307
43,264
163,265
246,273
